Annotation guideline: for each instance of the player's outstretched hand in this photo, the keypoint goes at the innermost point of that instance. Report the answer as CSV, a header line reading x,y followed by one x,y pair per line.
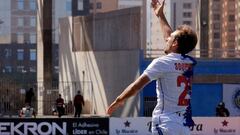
x,y
158,7
116,104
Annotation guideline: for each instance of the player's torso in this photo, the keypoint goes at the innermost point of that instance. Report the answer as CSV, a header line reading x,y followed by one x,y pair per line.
x,y
172,86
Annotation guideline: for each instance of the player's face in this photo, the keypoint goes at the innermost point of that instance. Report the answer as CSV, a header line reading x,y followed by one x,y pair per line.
x,y
171,43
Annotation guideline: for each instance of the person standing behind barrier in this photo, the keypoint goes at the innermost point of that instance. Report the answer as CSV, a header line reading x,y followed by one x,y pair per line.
x,y
59,104
27,112
29,96
78,103
173,74
221,110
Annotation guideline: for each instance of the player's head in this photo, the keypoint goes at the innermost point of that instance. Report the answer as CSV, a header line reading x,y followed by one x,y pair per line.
x,y
186,38
182,41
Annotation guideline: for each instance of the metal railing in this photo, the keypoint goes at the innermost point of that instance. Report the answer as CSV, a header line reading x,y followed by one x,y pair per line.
x,y
12,96
214,53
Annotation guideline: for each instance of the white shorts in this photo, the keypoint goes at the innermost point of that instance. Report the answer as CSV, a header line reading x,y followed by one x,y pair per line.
x,y
169,124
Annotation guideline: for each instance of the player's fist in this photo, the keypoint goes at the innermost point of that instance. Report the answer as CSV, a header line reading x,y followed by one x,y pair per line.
x,y
154,3
158,7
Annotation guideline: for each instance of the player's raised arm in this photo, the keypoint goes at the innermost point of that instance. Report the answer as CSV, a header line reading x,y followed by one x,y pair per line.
x,y
131,90
158,7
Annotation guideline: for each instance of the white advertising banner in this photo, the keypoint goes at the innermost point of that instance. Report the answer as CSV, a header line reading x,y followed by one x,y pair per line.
x,y
130,126
216,126
231,98
204,126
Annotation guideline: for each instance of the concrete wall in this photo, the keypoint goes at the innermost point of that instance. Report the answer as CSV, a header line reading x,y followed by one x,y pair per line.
x,y
103,55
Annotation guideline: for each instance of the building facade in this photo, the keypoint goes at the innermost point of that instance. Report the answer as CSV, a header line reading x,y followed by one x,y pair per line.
x,y
223,28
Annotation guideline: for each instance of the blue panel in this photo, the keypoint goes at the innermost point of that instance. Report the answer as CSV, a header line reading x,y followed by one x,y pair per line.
x,y
217,67
205,98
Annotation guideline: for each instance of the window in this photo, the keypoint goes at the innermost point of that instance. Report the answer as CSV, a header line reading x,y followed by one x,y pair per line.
x,y
20,37
216,26
20,22
216,35
32,69
7,69
216,17
20,4
187,14
20,54
231,29
68,6
99,5
187,5
32,4
21,69
33,21
216,44
216,7
7,53
91,6
33,38
56,69
231,18
80,4
33,54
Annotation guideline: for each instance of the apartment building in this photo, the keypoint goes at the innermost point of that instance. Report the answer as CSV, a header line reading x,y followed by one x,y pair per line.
x,y
223,28
18,35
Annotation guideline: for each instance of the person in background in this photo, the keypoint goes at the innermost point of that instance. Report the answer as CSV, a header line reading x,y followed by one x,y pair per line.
x,y
78,104
29,96
221,110
60,105
27,112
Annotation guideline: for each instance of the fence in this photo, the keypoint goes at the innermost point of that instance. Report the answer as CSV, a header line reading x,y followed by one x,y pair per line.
x,y
214,53
12,96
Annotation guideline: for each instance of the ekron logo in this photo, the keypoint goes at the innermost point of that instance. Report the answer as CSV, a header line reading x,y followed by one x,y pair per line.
x,y
24,128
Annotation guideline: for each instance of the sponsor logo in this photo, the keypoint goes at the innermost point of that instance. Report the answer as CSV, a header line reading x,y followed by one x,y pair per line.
x,y
24,128
197,127
85,125
87,128
236,98
127,130
224,129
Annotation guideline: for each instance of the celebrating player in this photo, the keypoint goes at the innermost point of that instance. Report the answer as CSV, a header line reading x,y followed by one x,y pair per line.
x,y
173,74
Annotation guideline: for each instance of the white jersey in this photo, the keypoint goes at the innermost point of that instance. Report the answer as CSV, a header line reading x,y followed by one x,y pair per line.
x,y
173,85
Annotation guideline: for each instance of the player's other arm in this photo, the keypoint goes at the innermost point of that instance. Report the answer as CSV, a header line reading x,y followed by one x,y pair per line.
x,y
158,9
131,90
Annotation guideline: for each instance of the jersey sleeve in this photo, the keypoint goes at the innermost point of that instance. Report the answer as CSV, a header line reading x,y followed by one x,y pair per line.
x,y
155,70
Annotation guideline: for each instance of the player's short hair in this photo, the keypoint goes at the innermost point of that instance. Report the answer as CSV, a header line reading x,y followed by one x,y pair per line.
x,y
186,38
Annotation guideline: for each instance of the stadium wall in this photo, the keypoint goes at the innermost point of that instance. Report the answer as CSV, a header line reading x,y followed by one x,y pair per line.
x,y
102,50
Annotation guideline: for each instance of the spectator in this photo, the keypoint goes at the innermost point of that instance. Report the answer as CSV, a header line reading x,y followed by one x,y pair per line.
x,y
27,112
29,96
78,103
60,107
221,111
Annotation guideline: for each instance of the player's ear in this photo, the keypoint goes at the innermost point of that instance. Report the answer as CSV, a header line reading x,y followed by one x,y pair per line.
x,y
175,43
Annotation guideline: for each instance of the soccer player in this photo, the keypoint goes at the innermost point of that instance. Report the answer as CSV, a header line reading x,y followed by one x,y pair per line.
x,y
173,74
